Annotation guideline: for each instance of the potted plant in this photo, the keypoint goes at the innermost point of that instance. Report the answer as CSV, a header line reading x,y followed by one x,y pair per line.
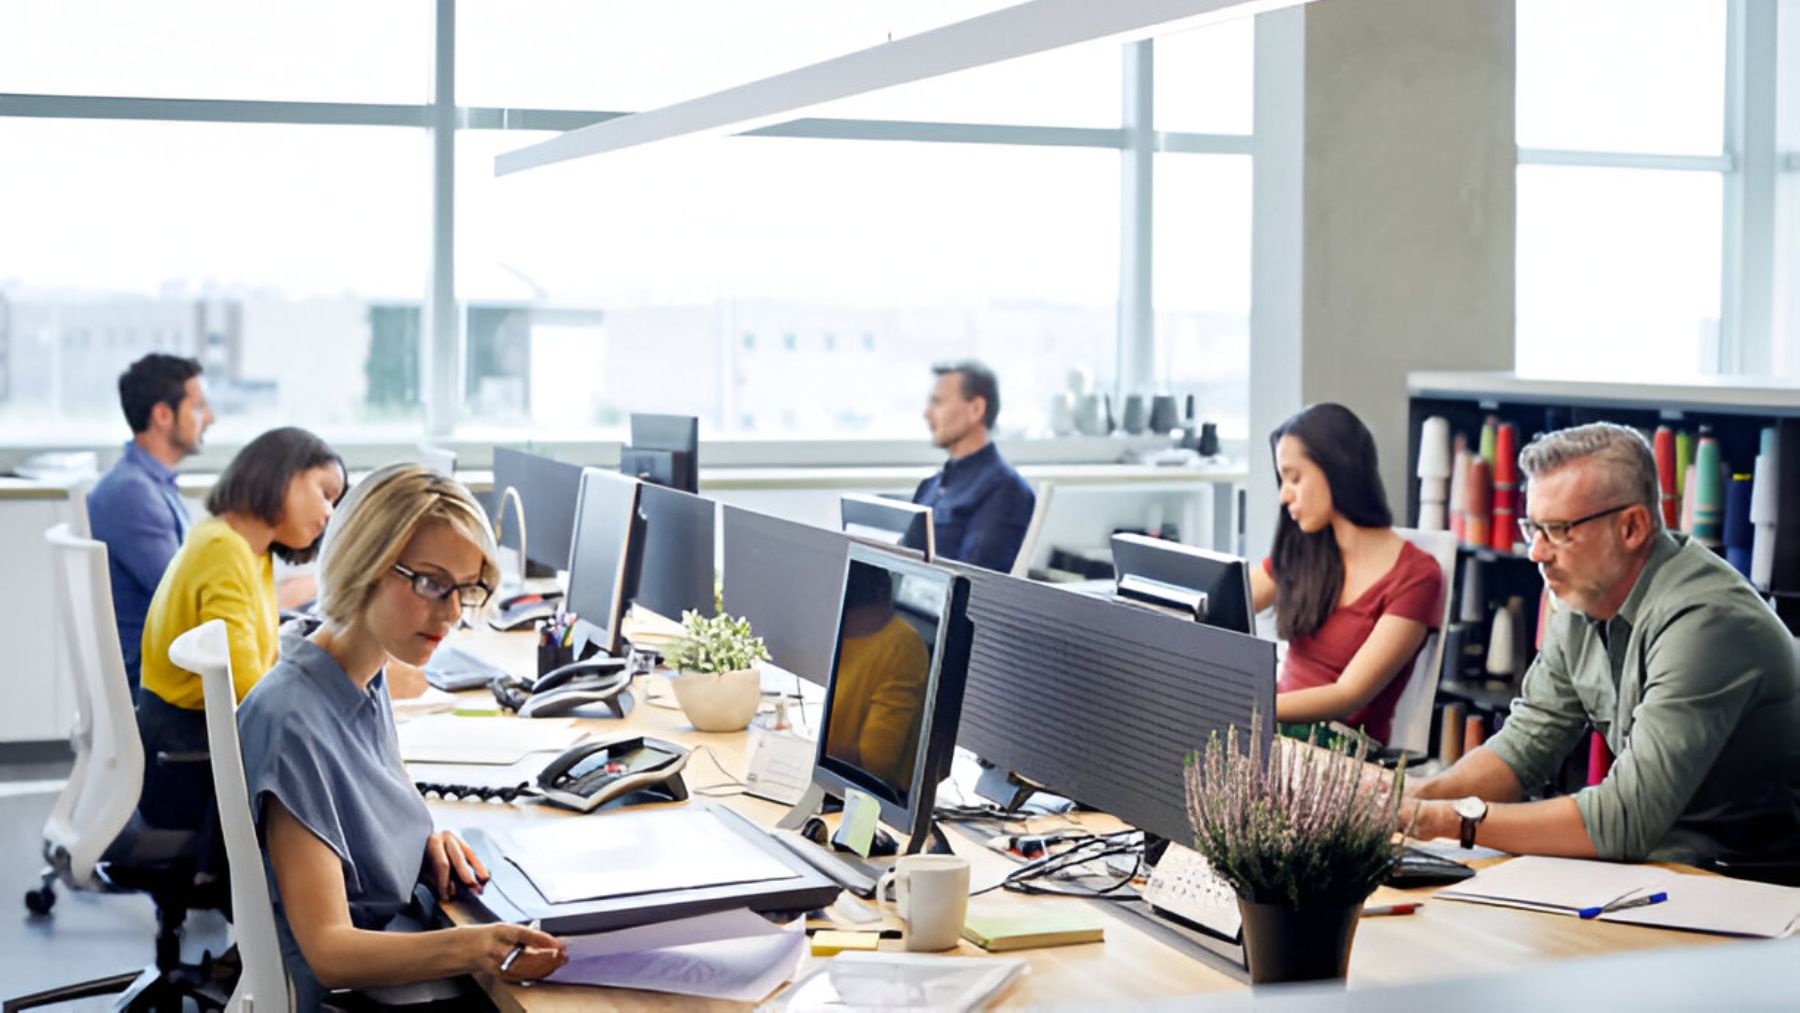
x,y
1303,837
716,682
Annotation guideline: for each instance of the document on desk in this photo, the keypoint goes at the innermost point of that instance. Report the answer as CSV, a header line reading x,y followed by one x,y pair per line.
x,y
1732,907
448,738
625,853
432,701
738,956
1561,885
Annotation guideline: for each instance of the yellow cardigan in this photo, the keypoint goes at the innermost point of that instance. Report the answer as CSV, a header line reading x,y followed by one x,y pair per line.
x,y
215,575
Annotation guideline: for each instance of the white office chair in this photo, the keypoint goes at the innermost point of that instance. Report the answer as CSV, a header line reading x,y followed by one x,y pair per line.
x,y
78,514
1411,730
263,987
102,791
1028,548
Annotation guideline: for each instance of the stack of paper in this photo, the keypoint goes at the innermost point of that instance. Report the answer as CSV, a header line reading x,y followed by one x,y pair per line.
x,y
1564,885
1730,907
446,738
734,955
910,981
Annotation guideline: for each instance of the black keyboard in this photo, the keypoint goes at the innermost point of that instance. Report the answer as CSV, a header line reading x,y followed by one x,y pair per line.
x,y
1422,868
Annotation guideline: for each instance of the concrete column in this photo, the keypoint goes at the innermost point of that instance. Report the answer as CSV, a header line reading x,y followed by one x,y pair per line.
x,y
1384,221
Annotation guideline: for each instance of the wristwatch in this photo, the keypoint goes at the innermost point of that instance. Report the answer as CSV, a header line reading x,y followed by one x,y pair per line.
x,y
1472,810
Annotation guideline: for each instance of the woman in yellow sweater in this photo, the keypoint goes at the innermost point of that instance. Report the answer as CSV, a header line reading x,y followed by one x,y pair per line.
x,y
273,499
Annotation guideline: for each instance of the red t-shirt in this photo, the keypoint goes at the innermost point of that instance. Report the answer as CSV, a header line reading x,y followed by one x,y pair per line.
x,y
1413,589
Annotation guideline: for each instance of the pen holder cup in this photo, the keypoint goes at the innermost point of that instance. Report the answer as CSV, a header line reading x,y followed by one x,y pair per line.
x,y
552,655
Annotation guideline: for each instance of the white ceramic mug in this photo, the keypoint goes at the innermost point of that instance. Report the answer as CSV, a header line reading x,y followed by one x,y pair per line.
x,y
931,895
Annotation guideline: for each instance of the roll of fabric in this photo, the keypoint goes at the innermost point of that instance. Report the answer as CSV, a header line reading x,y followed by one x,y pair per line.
x,y
1450,729
1709,496
1488,431
1764,512
1502,646
1664,446
1478,523
1459,486
1434,473
1506,487
1474,732
1739,536
1473,607
1684,459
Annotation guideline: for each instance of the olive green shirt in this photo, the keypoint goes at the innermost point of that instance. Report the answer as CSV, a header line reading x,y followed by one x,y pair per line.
x,y
1695,686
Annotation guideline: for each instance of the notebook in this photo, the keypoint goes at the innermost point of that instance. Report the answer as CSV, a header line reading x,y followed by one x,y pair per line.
x,y
1561,885
1061,925
1715,904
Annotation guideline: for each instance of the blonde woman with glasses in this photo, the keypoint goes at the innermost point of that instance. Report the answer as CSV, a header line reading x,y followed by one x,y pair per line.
x,y
346,836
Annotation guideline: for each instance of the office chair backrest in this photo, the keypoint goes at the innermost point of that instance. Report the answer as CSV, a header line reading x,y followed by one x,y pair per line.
x,y
441,459
1028,548
263,986
1411,730
78,515
102,791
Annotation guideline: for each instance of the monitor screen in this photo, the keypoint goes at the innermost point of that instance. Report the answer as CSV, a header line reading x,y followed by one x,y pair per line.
x,y
785,578
888,521
547,492
678,573
604,556
895,694
1209,587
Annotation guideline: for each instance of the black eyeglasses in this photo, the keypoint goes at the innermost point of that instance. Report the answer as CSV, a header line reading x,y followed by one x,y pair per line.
x,y
468,596
1557,532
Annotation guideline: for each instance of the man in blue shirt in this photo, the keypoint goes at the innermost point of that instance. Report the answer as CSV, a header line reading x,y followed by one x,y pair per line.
x,y
980,506
135,508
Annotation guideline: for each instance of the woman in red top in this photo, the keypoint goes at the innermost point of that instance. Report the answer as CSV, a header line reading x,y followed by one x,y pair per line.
x,y
1352,598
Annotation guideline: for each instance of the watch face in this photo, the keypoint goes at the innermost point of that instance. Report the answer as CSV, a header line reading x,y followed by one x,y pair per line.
x,y
1470,808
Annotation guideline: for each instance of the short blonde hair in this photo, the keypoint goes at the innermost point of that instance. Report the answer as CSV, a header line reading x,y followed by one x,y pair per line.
x,y
374,524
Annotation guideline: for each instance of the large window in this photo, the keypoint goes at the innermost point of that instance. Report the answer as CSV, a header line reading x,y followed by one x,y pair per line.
x,y
278,221
1653,189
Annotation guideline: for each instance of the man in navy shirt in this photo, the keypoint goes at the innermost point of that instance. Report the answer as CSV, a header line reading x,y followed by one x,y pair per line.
x,y
135,508
980,506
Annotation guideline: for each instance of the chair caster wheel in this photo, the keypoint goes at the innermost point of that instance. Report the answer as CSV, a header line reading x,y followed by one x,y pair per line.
x,y
41,900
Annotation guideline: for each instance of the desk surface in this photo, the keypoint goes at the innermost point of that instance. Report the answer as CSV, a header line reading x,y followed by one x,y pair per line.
x,y
1442,940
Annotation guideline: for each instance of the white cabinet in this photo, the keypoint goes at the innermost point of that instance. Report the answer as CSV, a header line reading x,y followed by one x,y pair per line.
x,y
37,694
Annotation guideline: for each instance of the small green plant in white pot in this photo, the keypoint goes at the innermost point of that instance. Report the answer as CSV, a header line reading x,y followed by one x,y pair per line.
x,y
716,682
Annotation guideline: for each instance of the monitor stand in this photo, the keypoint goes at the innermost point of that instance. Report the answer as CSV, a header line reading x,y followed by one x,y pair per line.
x,y
1015,794
924,835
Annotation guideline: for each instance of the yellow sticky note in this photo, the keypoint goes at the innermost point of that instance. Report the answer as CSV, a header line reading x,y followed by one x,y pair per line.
x,y
827,942
856,830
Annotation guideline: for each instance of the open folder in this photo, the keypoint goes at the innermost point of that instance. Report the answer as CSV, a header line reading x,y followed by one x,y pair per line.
x,y
1613,892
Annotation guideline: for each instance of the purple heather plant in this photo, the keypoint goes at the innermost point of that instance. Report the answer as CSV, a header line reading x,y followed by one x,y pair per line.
x,y
1301,827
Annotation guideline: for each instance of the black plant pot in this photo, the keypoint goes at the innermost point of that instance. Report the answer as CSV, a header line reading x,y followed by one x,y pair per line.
x,y
1294,944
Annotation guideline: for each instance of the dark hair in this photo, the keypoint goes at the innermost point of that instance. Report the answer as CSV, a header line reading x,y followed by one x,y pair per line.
x,y
256,481
152,380
978,381
1309,569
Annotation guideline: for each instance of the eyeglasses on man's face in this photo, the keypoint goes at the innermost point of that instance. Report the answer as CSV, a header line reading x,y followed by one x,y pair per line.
x,y
1558,533
468,596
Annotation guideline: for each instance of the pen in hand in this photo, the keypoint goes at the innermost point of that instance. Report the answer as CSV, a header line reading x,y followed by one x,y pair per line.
x,y
513,954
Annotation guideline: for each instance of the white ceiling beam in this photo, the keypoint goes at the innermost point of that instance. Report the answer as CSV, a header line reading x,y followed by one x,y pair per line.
x,y
1036,26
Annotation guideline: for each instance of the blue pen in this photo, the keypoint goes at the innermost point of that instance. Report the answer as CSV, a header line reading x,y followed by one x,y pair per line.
x,y
1624,905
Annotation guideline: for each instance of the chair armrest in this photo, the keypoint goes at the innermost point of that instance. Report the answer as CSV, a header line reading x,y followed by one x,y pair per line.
x,y
199,756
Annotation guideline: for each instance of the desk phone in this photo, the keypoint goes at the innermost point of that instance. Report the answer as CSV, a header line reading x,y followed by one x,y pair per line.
x,y
590,774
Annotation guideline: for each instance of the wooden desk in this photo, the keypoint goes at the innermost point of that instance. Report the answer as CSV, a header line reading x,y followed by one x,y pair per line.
x,y
1442,940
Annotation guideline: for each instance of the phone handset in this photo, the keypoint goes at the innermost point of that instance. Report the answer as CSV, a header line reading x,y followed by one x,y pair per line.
x,y
593,681
574,670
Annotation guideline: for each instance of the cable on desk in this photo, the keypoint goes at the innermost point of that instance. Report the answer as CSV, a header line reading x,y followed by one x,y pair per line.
x,y
1085,849
724,789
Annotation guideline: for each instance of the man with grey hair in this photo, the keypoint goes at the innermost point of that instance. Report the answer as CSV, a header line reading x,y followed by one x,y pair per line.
x,y
1661,647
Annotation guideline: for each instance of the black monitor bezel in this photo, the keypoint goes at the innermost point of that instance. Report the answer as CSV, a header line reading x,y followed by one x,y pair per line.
x,y
608,636
917,534
943,691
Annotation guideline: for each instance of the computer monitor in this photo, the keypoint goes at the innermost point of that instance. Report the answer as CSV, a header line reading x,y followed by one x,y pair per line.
x,y
889,521
899,660
664,450
605,557
678,570
1208,587
785,578
547,491
1102,702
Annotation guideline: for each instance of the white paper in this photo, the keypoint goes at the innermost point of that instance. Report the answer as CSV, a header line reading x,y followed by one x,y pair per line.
x,y
1556,884
734,955
432,701
1716,904
626,853
448,738
901,981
